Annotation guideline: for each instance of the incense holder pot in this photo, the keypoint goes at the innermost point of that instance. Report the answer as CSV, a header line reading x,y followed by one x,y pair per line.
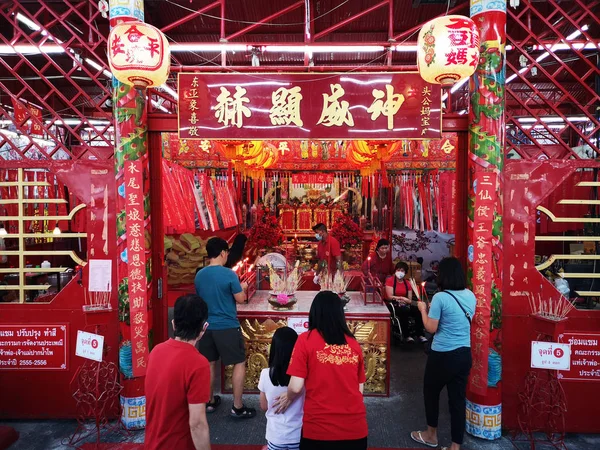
x,y
548,327
282,302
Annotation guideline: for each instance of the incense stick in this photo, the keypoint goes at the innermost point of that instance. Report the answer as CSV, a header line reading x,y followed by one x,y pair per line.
x,y
550,309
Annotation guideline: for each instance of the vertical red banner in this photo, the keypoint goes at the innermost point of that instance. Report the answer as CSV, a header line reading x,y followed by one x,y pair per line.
x,y
20,112
452,201
36,112
481,259
136,266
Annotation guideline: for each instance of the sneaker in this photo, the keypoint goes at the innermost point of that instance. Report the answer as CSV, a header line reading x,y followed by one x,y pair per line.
x,y
410,340
422,339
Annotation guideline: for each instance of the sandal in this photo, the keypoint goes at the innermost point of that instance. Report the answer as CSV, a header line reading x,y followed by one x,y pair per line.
x,y
417,437
211,407
242,413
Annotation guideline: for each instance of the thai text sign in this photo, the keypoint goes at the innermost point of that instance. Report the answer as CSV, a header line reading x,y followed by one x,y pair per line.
x,y
375,106
136,264
298,324
585,356
550,355
89,345
33,347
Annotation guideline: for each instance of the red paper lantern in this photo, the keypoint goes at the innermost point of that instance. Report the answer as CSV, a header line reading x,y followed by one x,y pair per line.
x,y
448,49
138,54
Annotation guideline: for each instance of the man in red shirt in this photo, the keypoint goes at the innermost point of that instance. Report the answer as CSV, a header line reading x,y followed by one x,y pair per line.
x,y
178,383
380,265
329,252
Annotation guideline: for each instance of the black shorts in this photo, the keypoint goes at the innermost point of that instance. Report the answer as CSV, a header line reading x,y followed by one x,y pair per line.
x,y
226,344
311,444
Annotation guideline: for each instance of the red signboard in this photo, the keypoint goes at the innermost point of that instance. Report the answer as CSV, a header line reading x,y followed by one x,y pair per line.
x,y
585,356
312,178
376,106
136,264
33,347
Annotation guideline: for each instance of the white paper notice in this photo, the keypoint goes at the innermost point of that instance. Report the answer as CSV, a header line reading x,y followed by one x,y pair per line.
x,y
100,275
89,345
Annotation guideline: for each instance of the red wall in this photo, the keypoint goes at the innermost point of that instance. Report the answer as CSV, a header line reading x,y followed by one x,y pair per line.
x,y
48,393
528,183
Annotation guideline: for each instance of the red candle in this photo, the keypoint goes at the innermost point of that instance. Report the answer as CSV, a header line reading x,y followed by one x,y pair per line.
x,y
369,265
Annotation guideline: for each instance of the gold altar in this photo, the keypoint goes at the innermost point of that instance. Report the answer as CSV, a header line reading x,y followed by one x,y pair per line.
x,y
369,323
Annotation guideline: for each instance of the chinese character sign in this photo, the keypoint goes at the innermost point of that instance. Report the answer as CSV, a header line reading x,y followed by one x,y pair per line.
x,y
136,265
308,106
312,178
480,258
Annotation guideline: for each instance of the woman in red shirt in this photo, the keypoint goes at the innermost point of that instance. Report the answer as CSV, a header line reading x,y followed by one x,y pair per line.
x,y
328,362
399,298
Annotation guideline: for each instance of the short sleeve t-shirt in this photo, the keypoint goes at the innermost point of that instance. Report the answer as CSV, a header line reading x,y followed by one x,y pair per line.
x,y
401,286
177,376
217,285
329,250
283,428
333,408
454,330
378,266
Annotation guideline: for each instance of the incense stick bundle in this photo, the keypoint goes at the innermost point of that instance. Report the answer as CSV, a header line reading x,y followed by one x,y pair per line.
x,y
550,309
415,288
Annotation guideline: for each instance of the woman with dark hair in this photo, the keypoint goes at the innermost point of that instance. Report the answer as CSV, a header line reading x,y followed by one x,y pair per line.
x,y
328,363
283,430
399,301
380,264
449,361
236,252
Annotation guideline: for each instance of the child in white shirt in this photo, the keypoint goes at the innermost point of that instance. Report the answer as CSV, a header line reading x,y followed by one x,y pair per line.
x,y
283,430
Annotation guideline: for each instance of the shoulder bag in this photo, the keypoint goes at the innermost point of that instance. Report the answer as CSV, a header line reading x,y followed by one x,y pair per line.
x,y
429,336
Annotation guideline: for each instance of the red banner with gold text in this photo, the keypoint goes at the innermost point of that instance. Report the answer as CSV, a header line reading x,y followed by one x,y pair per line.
x,y
136,265
480,256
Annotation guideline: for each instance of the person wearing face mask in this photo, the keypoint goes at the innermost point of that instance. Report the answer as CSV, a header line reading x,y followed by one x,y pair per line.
x,y
399,297
380,265
329,252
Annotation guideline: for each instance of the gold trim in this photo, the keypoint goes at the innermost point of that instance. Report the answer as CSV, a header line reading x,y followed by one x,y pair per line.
x,y
579,275
553,258
33,269
35,200
578,202
567,219
568,238
27,287
24,183
20,201
46,235
588,183
588,293
69,217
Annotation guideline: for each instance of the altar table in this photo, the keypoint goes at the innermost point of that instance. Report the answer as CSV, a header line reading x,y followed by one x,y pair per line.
x,y
259,320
